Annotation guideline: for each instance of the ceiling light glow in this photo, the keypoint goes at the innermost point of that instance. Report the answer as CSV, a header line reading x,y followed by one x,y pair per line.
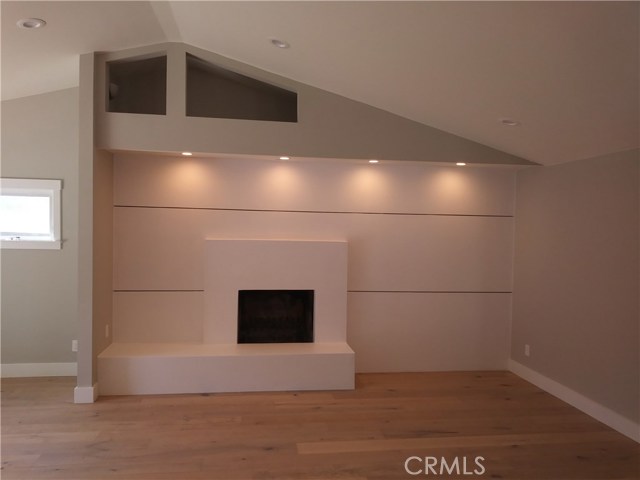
x,y
373,161
279,43
31,23
285,158
187,154
461,164
509,122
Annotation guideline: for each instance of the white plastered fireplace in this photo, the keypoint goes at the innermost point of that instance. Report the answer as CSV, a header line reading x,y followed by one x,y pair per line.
x,y
233,265
219,363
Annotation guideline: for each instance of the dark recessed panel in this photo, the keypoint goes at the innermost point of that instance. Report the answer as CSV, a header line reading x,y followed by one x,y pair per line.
x,y
275,316
138,86
215,92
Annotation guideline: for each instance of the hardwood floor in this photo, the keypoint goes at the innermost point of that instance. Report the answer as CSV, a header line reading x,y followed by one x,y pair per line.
x,y
520,431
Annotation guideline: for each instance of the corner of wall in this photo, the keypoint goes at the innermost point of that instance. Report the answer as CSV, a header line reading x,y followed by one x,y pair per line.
x,y
86,370
601,413
575,225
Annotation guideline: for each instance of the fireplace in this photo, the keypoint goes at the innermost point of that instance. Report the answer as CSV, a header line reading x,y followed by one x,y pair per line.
x,y
275,316
294,292
234,265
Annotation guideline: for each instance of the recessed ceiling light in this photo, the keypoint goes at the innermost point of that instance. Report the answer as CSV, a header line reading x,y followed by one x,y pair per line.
x,y
31,23
187,154
509,122
285,158
461,164
280,43
373,161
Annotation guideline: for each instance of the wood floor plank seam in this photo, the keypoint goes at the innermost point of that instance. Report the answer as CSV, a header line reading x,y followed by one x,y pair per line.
x,y
422,443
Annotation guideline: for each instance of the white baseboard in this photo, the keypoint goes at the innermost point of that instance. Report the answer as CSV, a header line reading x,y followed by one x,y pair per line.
x,y
13,370
599,412
85,394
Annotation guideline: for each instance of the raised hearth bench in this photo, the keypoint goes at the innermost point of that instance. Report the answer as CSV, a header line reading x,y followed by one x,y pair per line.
x,y
139,368
220,363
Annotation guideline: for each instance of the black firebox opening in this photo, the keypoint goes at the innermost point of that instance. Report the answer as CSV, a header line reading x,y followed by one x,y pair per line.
x,y
275,316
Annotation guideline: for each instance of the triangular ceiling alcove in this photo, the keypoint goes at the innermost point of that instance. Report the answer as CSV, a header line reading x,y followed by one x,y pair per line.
x,y
216,92
327,126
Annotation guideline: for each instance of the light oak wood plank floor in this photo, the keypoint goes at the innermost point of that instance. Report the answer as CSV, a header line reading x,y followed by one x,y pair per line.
x,y
366,434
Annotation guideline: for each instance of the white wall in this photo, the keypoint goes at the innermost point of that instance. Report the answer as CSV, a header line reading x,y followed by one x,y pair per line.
x,y
328,125
576,278
39,287
442,233
102,297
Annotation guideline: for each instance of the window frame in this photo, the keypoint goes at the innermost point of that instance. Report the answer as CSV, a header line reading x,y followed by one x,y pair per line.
x,y
40,188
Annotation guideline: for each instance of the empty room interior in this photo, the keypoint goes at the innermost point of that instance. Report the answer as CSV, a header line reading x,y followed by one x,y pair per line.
x,y
320,240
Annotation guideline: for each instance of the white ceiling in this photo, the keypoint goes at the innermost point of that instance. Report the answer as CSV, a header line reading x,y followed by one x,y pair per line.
x,y
568,71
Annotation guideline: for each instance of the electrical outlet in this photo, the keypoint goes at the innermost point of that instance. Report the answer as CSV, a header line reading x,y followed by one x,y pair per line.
x,y
106,331
74,345
527,350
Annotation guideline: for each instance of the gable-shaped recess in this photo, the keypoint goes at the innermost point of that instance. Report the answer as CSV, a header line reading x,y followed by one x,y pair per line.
x,y
215,105
139,85
216,92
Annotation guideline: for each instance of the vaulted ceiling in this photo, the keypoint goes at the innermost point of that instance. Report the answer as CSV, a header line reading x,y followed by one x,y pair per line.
x,y
567,72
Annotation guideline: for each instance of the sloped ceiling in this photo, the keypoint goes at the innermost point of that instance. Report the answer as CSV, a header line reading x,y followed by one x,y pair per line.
x,y
567,71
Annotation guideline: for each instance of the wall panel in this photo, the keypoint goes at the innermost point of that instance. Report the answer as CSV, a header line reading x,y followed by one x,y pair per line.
x,y
397,332
444,234
162,249
322,185
157,317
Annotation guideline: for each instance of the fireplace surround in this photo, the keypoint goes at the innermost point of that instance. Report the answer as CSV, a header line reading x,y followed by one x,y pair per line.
x,y
232,265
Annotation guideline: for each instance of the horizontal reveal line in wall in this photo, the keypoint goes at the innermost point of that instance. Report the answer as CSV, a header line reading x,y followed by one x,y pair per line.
x,y
137,291
422,291
348,291
264,210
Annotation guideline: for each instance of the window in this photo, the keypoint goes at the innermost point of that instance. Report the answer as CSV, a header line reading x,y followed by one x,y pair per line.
x,y
30,213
